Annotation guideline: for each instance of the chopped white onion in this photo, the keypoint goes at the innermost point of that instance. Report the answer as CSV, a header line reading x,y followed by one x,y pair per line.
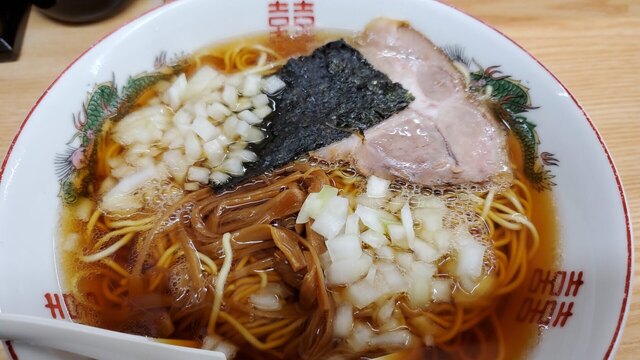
x,y
315,203
237,146
214,152
371,275
309,202
420,276
374,203
442,239
108,184
191,186
348,271
228,349
120,197
84,209
242,128
214,96
331,221
235,80
133,182
424,251
260,100
407,222
233,166
362,334
218,111
373,238
202,82
230,96
431,202
266,301
192,147
470,259
390,325
363,293
325,260
225,141
385,252
371,218
137,152
242,104
199,129
200,109
332,218
343,321
262,111
115,162
142,127
216,343
123,171
171,139
249,117
174,95
377,187
352,226
144,161
398,235
182,119
211,341
394,281
405,259
174,160
395,204
219,177
245,155
431,219
251,85
344,247
254,135
206,130
230,127
442,289
395,339
385,311
199,174
273,84
71,241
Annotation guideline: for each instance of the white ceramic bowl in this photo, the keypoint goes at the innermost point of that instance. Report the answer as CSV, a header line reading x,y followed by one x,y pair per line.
x,y
595,234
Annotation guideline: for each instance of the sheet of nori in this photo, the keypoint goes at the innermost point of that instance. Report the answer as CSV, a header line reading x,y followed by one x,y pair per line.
x,y
329,95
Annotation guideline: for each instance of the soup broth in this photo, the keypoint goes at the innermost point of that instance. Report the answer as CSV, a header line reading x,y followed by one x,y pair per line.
x,y
160,296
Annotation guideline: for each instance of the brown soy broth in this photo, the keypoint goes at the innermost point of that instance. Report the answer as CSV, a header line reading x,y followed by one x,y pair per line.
x,y
284,46
547,258
519,337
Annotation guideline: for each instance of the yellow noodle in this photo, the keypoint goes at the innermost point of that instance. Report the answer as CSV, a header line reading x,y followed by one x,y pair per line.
x,y
220,281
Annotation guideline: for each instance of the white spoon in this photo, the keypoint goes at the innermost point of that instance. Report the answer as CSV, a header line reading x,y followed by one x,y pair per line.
x,y
94,342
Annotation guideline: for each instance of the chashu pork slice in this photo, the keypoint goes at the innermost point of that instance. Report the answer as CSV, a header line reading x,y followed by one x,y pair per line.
x,y
444,136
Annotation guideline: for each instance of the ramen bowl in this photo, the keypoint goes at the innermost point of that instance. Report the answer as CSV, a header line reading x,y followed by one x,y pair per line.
x,y
580,296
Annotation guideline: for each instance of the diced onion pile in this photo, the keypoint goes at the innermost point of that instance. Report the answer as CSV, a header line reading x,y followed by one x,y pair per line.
x,y
380,248
195,131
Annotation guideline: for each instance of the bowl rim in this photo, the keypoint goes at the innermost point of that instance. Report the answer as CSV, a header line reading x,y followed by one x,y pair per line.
x,y
624,308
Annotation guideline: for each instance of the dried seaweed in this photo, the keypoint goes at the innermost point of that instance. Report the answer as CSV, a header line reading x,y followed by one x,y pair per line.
x,y
329,95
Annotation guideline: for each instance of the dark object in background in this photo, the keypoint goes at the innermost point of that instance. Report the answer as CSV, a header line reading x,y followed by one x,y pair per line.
x,y
13,21
14,15
329,95
78,11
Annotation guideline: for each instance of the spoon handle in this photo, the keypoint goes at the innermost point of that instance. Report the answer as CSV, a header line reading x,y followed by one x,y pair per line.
x,y
93,342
